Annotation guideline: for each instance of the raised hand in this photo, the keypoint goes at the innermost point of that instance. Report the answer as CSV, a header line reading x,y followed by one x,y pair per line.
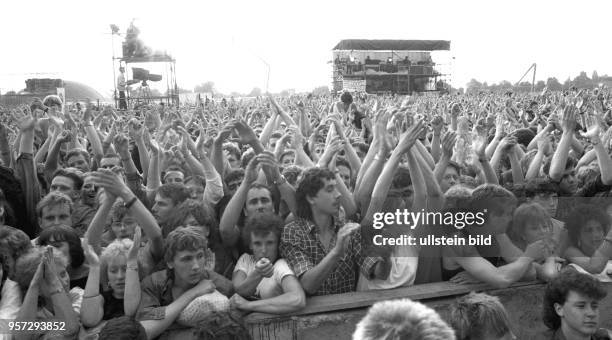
x,y
448,143
121,143
568,122
246,133
250,174
264,267
408,138
110,180
90,255
437,123
133,252
344,236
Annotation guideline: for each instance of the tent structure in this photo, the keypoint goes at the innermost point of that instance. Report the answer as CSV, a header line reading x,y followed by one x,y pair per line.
x,y
393,45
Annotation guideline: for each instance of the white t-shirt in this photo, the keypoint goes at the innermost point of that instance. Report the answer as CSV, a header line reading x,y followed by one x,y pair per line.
x,y
269,287
404,262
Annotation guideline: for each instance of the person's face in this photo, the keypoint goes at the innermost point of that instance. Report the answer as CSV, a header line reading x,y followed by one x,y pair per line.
x,y
288,160
79,162
579,314
188,266
63,184
548,201
109,163
233,186
327,198
56,215
264,246
569,183
273,141
449,179
162,208
319,148
174,177
116,270
233,161
345,174
124,228
259,201
89,191
196,190
591,236
537,230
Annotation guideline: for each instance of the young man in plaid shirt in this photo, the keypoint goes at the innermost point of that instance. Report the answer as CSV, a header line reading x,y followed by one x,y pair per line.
x,y
324,252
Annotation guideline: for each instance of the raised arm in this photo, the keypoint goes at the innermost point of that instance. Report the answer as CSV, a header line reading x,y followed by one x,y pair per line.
x,y
559,159
92,307
230,234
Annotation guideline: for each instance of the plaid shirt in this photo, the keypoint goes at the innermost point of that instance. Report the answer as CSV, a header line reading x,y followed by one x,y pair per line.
x,y
301,247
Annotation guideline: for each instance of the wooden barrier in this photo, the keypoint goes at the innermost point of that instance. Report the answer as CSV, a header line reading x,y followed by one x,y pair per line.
x,y
335,316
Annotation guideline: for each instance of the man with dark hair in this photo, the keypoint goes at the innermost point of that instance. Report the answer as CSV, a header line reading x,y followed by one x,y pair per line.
x,y
167,197
70,181
571,307
325,253
78,158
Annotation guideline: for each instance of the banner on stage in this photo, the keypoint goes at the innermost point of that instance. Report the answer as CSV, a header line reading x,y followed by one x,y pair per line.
x,y
354,85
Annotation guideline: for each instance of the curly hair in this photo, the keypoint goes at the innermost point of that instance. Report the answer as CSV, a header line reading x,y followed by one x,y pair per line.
x,y
52,199
64,234
582,214
175,191
263,225
559,288
115,249
13,243
402,319
27,263
51,100
313,180
477,315
201,211
292,173
183,238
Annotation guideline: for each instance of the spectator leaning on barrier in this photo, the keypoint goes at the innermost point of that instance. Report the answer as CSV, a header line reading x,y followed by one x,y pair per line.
x,y
324,252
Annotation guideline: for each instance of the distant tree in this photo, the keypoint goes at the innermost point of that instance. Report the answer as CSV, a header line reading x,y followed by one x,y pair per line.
x,y
540,84
473,86
287,92
505,85
208,86
321,91
553,84
255,92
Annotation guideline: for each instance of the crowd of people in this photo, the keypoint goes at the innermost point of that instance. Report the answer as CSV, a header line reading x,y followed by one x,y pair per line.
x,y
160,222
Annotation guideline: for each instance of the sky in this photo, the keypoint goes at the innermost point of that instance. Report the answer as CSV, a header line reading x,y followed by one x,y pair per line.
x,y
230,42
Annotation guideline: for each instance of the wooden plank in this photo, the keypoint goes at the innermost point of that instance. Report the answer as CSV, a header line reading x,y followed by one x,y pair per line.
x,y
335,302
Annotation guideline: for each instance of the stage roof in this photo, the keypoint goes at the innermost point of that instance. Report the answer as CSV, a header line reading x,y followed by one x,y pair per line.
x,y
393,45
